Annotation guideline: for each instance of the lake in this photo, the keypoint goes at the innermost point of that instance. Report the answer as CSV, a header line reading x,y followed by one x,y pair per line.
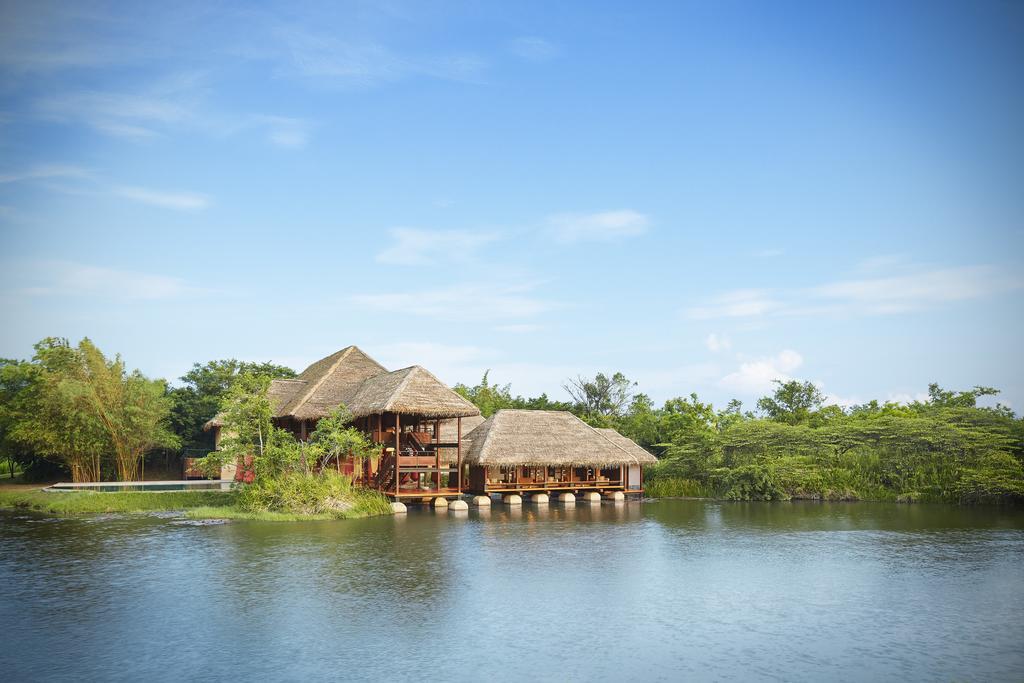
x,y
661,590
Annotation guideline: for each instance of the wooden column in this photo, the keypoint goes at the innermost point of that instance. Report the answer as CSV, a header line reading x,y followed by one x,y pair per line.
x,y
398,444
458,453
437,455
302,430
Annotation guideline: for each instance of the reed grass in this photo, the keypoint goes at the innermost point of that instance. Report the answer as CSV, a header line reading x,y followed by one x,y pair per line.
x,y
70,503
677,487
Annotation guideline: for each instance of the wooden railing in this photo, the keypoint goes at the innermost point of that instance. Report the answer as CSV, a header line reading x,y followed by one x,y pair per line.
x,y
557,484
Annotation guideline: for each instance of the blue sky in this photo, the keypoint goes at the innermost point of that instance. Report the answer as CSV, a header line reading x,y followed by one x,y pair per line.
x,y
704,196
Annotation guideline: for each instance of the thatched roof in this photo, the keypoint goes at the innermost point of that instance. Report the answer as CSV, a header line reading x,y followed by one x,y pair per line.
x,y
328,383
450,429
641,454
353,379
409,391
542,437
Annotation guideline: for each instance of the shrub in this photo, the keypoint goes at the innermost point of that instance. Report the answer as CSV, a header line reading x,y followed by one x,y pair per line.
x,y
298,493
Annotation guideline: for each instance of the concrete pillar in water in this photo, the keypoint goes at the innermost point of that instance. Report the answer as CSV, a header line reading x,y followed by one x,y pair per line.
x,y
512,499
616,496
440,502
398,508
457,505
566,498
539,499
481,501
592,497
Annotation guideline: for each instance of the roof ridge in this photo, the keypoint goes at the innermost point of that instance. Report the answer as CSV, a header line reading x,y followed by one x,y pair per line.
x,y
405,381
334,366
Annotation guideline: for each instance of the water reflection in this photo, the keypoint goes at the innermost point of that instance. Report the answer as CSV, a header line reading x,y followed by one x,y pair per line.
x,y
731,590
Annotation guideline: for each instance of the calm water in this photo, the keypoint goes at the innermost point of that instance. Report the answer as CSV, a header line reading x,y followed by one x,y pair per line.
x,y
663,590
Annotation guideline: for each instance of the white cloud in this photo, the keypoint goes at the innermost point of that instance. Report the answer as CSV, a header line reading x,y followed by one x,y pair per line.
x,y
130,115
467,302
845,402
57,278
906,397
331,60
716,342
756,377
740,303
920,290
44,171
179,201
174,103
533,48
283,131
414,247
868,296
599,227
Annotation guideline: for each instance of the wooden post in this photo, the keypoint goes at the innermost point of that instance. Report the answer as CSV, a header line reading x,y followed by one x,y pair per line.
x,y
398,445
437,455
458,453
302,430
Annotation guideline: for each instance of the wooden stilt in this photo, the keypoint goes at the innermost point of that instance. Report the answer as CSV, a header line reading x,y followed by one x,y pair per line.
x,y
398,443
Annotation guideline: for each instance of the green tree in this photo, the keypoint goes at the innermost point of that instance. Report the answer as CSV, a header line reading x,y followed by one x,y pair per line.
x,y
602,396
489,398
44,416
133,409
250,434
335,439
794,402
203,388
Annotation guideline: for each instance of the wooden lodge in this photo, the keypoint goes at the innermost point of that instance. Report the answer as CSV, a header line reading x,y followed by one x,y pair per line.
x,y
546,451
403,410
434,443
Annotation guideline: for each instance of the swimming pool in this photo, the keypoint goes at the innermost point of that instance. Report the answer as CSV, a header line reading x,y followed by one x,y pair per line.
x,y
149,486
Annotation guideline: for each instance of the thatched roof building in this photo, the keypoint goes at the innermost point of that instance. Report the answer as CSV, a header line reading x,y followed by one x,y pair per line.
x,y
352,378
320,388
643,457
409,391
543,437
326,384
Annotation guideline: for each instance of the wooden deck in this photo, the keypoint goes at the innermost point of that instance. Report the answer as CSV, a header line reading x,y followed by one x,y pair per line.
x,y
424,493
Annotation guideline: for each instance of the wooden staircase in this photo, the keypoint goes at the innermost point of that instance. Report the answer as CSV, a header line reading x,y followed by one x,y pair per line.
x,y
384,480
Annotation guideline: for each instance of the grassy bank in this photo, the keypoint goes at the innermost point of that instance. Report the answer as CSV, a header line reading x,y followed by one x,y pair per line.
x,y
90,502
297,500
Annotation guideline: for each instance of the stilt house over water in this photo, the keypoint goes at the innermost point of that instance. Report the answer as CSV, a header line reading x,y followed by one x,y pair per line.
x,y
434,443
541,451
401,410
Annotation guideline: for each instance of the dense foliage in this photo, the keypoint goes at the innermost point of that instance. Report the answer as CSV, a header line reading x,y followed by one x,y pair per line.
x,y
947,448
202,390
74,407
290,476
490,398
300,493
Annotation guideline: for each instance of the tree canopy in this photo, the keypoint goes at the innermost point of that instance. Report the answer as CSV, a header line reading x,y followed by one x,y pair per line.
x,y
203,388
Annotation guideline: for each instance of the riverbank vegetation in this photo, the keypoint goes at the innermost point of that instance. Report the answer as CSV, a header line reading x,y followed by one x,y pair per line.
x,y
947,448
72,412
72,408
70,503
